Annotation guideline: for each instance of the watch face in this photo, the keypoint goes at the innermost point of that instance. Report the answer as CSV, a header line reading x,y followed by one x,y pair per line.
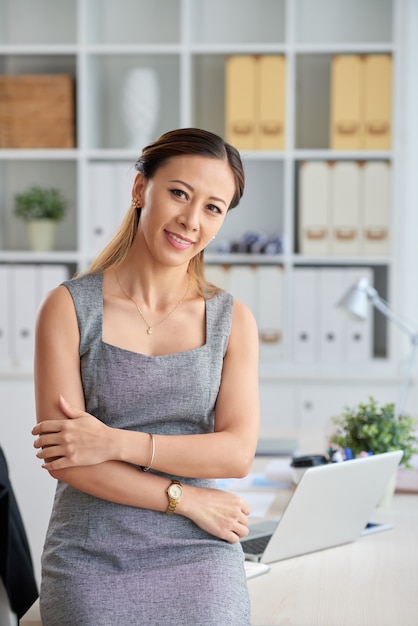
x,y
175,491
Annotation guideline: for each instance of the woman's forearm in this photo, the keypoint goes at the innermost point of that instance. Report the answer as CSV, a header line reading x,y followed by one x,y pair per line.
x,y
211,455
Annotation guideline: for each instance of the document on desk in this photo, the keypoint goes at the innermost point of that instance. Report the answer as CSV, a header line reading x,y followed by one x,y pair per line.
x,y
251,489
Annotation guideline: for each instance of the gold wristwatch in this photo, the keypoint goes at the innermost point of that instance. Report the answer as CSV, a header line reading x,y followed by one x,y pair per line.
x,y
174,492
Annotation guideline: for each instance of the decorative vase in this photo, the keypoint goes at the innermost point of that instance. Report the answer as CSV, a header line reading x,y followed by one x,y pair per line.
x,y
41,234
140,105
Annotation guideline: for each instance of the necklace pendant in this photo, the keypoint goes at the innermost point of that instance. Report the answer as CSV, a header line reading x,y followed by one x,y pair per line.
x,y
149,330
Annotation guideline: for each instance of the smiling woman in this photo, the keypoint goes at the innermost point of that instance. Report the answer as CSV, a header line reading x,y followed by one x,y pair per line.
x,y
141,363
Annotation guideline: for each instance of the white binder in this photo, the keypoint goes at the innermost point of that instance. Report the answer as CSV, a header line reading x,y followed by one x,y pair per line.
x,y
305,314
243,285
5,316
103,213
345,204
270,310
331,285
376,208
218,275
49,277
24,301
314,208
358,342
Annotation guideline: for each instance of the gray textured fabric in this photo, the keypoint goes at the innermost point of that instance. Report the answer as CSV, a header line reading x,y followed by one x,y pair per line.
x,y
110,565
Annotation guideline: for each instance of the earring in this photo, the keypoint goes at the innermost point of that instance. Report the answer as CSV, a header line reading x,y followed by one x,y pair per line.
x,y
136,203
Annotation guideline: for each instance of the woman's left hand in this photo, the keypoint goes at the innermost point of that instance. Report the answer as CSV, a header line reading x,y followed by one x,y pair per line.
x,y
80,440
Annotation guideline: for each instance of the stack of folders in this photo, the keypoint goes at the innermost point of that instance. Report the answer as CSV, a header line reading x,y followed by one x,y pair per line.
x,y
22,288
344,208
261,289
322,330
361,102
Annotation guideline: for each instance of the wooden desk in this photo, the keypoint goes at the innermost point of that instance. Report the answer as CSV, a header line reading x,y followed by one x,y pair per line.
x,y
371,582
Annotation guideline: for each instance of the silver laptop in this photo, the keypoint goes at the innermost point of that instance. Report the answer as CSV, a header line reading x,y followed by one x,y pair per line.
x,y
332,504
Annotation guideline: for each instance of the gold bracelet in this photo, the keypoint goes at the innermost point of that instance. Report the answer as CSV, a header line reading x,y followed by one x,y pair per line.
x,y
151,459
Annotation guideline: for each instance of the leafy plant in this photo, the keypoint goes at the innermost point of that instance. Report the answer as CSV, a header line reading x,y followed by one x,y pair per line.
x,y
40,203
370,428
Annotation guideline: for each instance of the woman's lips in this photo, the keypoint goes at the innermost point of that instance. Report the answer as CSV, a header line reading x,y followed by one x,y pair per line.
x,y
177,241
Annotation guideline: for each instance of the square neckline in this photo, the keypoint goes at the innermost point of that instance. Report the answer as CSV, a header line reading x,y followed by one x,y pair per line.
x,y
142,354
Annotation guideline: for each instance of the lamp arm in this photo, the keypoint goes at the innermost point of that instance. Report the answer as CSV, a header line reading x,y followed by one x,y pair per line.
x,y
381,305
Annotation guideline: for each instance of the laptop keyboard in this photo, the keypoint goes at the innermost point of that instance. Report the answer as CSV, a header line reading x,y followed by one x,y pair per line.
x,y
256,545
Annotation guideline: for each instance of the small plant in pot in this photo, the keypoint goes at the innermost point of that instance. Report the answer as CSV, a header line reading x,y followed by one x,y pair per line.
x,y
370,428
41,208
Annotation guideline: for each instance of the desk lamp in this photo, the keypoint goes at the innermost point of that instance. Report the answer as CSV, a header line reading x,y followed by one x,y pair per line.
x,y
356,302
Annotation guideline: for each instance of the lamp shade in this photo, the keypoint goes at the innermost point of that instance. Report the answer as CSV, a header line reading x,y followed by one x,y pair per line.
x,y
356,300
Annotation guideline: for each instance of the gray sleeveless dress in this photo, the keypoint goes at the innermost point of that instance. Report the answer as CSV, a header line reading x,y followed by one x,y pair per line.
x,y
110,565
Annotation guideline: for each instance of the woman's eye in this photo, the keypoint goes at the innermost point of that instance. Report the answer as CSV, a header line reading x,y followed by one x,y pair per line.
x,y
179,193
214,209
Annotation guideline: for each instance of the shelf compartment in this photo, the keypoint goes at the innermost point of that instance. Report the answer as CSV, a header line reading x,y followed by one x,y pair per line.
x,y
215,21
255,213
106,78
34,29
18,175
356,21
133,21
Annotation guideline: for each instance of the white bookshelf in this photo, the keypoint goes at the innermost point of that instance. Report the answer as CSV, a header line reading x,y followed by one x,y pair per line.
x,y
188,42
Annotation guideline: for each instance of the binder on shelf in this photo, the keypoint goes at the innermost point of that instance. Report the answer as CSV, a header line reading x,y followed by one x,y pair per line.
x,y
377,102
270,312
331,319
242,283
240,89
358,342
24,304
346,97
103,203
345,203
305,314
376,208
5,316
218,275
271,102
314,208
49,277
255,101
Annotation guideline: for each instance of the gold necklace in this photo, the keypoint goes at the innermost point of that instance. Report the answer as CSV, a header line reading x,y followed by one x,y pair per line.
x,y
149,326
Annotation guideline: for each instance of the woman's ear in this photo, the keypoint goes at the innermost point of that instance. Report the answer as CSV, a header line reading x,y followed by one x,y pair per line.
x,y
139,187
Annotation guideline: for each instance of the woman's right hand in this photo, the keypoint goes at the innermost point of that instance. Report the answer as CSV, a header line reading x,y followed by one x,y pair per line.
x,y
218,512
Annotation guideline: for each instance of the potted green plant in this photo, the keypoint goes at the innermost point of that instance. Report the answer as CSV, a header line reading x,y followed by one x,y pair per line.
x,y
370,428
41,208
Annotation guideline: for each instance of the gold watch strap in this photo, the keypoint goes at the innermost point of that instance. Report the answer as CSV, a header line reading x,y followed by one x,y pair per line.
x,y
172,503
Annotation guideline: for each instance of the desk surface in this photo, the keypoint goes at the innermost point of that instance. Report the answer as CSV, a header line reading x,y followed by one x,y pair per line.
x,y
371,582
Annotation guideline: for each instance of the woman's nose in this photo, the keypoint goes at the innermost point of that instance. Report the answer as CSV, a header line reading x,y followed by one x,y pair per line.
x,y
189,218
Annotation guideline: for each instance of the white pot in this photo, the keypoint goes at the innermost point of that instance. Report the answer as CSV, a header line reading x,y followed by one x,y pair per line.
x,y
41,234
140,106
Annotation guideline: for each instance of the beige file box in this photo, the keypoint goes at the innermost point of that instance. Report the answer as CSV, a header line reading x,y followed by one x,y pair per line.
x,y
345,208
376,208
240,106
270,126
346,87
377,86
314,208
